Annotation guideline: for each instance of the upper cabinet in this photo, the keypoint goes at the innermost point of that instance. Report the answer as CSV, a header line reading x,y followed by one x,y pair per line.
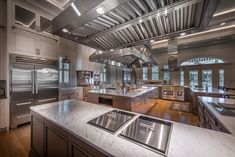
x,y
2,13
28,19
26,43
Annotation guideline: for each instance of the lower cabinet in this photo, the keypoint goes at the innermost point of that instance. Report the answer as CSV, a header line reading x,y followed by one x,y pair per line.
x,y
49,140
2,114
56,144
208,120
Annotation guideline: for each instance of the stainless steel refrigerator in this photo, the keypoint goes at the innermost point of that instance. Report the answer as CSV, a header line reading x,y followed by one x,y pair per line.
x,y
33,81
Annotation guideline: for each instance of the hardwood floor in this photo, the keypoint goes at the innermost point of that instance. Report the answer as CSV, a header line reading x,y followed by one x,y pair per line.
x,y
15,143
161,110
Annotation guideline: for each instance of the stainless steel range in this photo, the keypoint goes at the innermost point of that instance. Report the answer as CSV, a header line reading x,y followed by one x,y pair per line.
x,y
224,109
150,133
112,120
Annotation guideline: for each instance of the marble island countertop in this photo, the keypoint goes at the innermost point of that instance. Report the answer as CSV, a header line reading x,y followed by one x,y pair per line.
x,y
122,92
211,91
227,121
185,141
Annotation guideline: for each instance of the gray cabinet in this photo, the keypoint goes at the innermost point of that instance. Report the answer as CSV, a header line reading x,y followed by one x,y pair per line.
x,y
79,152
37,136
2,55
49,140
2,114
3,13
30,44
208,120
56,144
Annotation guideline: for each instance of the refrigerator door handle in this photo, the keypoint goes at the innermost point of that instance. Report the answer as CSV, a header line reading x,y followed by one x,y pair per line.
x,y
32,78
36,82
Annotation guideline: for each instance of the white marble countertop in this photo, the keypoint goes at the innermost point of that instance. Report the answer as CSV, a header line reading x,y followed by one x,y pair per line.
x,y
227,121
211,91
185,141
121,92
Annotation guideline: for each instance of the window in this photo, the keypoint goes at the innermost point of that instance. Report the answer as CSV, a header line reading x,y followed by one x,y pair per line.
x,y
145,73
155,73
182,78
166,74
127,76
206,78
202,60
63,71
193,78
221,77
104,74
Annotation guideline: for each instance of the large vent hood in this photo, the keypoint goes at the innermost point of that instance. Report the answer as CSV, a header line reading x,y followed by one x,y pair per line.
x,y
132,57
127,23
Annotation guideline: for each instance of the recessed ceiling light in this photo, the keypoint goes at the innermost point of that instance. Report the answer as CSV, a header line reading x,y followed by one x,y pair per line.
x,y
182,34
75,9
65,30
111,49
223,23
151,41
100,10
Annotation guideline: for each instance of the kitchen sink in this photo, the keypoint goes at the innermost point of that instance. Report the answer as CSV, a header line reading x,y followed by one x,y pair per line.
x,y
112,120
150,133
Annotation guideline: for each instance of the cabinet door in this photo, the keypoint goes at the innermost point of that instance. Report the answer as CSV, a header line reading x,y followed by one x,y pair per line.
x,y
2,55
57,144
2,114
48,47
37,136
78,152
23,43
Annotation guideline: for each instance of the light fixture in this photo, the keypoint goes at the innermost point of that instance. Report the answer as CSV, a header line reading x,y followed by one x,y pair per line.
x,y
100,10
140,20
75,9
65,30
224,12
160,41
151,41
182,34
165,12
223,23
111,49
211,30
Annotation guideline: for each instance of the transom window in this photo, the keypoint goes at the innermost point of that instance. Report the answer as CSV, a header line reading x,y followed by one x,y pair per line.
x,y
202,60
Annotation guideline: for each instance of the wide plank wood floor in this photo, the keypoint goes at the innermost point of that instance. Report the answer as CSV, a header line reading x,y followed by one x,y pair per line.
x,y
161,110
16,143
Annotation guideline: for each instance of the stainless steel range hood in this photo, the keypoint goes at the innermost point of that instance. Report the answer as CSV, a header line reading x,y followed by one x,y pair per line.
x,y
132,22
136,57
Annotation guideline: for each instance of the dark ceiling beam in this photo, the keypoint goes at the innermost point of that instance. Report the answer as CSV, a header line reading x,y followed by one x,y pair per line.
x,y
209,11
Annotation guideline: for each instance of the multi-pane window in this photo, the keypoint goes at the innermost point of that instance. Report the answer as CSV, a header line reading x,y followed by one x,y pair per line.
x,y
193,78
155,73
127,76
206,78
104,74
182,78
221,77
63,71
166,74
145,73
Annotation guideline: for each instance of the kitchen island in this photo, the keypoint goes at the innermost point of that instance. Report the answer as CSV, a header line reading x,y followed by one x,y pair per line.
x,y
138,100
211,92
61,129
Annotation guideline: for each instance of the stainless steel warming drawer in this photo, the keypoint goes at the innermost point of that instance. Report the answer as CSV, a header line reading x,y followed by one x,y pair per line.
x,y
173,93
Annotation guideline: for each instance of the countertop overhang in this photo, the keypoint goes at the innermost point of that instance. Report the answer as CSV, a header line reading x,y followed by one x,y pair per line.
x,y
122,92
186,140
